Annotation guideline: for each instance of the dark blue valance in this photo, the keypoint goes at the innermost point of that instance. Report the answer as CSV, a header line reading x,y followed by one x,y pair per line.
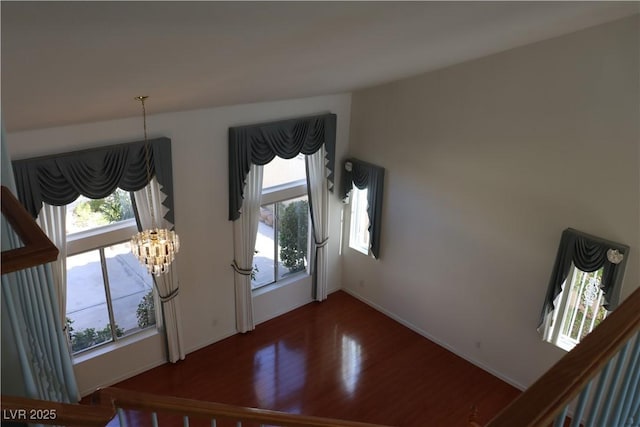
x,y
95,173
366,175
259,144
588,253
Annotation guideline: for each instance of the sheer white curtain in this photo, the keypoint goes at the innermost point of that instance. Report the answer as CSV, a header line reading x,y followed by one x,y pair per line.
x,y
167,285
53,221
31,322
245,230
318,190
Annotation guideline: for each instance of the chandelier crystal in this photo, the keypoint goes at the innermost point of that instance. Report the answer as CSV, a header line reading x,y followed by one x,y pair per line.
x,y
155,247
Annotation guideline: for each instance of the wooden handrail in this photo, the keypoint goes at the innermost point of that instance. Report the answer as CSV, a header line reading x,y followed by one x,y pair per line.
x,y
21,409
544,399
174,405
107,400
37,249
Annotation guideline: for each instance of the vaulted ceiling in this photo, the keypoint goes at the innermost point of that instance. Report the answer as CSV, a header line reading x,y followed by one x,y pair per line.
x,y
74,62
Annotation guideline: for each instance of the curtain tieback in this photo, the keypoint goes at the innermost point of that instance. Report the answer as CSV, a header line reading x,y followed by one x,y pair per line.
x,y
322,243
174,293
243,271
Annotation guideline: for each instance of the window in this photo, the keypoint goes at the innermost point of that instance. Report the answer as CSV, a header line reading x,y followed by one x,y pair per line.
x,y
109,294
363,185
283,231
574,302
359,233
579,309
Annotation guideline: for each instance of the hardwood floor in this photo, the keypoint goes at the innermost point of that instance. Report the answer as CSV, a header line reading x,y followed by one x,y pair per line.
x,y
339,359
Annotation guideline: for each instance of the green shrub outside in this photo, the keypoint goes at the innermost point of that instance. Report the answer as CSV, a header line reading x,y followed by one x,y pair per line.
x,y
90,337
146,312
294,226
113,208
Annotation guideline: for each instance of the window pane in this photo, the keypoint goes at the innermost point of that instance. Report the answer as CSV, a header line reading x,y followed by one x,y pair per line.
x,y
293,229
131,290
359,230
86,301
85,214
263,259
579,309
281,171
584,305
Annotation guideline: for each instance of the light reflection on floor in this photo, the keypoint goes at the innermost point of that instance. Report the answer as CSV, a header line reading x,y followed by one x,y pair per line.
x,y
351,362
279,377
339,359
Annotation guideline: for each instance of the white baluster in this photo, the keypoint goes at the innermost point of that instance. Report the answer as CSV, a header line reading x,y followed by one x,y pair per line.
x,y
121,418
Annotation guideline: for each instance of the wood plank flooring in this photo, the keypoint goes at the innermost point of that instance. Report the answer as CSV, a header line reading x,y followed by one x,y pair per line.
x,y
339,359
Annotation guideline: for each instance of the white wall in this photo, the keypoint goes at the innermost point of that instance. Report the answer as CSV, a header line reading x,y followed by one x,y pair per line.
x,y
486,163
199,146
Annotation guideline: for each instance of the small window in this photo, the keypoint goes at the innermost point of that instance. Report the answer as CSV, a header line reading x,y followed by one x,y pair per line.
x,y
579,309
587,276
359,231
282,242
362,187
109,294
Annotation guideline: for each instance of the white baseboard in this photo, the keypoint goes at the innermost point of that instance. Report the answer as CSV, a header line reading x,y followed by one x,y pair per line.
x,y
123,377
207,343
283,311
430,337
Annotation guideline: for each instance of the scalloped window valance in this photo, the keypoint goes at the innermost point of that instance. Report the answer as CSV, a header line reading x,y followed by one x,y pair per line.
x,y
588,253
259,144
95,173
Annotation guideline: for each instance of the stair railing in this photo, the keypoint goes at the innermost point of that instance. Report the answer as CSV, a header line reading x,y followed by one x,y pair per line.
x,y
25,410
599,380
112,401
37,249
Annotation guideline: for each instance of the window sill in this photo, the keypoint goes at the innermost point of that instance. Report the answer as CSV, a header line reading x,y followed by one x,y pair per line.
x,y
361,250
296,278
106,348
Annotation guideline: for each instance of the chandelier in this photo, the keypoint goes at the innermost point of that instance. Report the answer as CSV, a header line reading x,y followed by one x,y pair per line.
x,y
155,247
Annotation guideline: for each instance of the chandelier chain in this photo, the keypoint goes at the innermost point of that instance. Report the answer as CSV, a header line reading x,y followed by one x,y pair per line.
x,y
147,161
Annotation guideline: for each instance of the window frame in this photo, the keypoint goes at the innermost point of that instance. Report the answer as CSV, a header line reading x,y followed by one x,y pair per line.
x,y
272,196
283,192
100,238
